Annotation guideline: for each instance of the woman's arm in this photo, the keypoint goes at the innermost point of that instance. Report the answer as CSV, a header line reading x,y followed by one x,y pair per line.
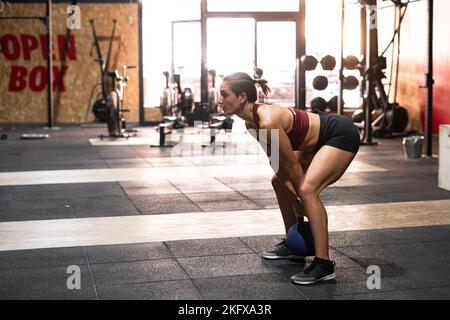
x,y
287,160
288,164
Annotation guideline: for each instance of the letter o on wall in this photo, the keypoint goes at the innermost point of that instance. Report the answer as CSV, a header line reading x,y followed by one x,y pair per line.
x,y
10,47
38,78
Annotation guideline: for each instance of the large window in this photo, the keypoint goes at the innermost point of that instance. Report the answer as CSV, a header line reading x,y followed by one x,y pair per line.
x,y
276,57
172,43
228,52
158,16
253,5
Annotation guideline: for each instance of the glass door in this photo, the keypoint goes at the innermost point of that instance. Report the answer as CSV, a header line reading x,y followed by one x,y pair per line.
x,y
231,45
276,56
186,54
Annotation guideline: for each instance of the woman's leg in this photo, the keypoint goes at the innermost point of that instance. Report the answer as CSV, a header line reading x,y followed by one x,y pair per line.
x,y
327,166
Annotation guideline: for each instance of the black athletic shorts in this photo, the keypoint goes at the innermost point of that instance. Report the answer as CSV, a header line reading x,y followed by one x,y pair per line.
x,y
339,132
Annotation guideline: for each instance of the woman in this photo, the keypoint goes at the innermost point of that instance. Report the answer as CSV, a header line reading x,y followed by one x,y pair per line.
x,y
314,152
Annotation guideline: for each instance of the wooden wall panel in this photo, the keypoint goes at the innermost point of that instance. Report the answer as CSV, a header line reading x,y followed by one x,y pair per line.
x,y
27,101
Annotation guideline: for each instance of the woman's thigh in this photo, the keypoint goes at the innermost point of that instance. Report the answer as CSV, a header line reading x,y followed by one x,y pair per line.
x,y
304,159
327,166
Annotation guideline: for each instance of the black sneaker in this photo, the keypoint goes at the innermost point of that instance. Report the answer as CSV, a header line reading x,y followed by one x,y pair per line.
x,y
281,251
318,270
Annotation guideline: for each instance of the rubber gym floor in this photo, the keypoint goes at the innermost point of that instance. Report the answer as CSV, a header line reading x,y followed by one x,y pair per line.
x,y
140,224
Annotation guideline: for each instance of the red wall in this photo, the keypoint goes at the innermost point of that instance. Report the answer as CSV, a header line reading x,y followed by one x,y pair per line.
x,y
414,62
441,65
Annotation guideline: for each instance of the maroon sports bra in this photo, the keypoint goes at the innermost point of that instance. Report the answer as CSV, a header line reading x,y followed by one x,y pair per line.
x,y
299,129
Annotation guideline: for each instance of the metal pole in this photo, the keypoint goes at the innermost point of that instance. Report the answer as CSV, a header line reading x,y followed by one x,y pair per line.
x,y
429,85
370,59
49,65
141,69
301,50
204,44
340,105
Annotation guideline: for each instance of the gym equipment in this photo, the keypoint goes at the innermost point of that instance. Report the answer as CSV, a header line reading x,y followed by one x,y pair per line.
x,y
318,103
213,94
309,63
333,103
187,101
392,118
165,128
351,62
100,108
320,83
350,83
166,98
300,240
116,123
258,75
328,63
34,136
358,116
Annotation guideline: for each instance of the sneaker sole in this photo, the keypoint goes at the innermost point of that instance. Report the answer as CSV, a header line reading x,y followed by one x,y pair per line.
x,y
276,257
326,278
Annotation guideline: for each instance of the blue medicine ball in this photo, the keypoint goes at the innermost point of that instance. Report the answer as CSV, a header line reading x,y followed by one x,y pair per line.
x,y
300,239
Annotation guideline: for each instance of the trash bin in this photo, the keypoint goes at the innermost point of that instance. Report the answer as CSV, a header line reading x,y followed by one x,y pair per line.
x,y
444,157
412,146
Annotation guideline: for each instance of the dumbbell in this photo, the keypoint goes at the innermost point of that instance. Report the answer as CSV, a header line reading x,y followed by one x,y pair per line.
x,y
328,63
319,103
351,62
309,63
320,83
333,103
350,83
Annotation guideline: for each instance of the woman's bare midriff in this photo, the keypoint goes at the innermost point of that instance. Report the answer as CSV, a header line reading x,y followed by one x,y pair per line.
x,y
286,117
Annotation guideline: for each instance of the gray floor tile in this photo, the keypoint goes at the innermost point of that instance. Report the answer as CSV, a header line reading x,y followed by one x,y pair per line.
x,y
39,204
268,286
259,194
94,190
15,214
136,272
358,238
45,283
103,206
427,275
348,281
417,234
160,204
42,258
235,180
262,243
269,203
127,252
161,290
6,193
40,192
219,266
227,205
215,196
207,247
441,293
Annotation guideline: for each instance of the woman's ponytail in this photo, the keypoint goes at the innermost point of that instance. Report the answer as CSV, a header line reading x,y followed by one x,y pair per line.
x,y
264,87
